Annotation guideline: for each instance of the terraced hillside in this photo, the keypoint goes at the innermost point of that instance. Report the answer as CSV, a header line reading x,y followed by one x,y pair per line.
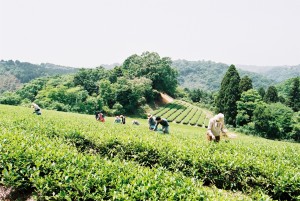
x,y
182,112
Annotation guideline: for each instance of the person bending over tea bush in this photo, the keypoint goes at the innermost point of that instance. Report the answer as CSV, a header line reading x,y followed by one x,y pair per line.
x,y
37,109
164,123
215,127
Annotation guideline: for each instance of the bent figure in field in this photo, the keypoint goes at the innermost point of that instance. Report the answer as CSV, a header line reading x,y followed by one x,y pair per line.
x,y
123,119
135,122
37,109
215,128
164,123
99,116
117,120
151,122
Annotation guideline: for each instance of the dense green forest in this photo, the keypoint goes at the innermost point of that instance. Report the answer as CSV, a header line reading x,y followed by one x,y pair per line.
x,y
263,109
14,73
124,89
259,112
204,75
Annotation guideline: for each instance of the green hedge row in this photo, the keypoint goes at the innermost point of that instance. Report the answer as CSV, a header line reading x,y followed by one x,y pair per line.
x,y
172,111
183,114
161,109
177,113
187,119
200,121
167,108
196,117
206,122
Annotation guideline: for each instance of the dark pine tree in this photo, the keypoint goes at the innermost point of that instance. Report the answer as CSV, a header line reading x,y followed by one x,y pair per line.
x,y
294,95
245,84
271,95
262,92
228,95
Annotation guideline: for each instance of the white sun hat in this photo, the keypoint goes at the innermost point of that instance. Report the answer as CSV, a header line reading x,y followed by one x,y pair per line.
x,y
219,116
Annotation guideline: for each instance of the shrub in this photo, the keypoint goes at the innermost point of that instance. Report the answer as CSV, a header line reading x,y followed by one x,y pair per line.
x,y
273,120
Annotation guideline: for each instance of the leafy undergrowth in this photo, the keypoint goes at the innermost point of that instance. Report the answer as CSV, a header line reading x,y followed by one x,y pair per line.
x,y
247,164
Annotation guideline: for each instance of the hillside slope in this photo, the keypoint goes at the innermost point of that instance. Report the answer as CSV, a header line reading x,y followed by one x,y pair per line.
x,y
14,73
280,74
208,75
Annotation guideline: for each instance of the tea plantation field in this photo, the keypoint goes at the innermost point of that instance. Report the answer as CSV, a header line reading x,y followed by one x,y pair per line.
x,y
185,113
68,156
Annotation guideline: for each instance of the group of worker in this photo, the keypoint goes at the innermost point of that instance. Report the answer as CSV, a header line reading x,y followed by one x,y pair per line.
x,y
214,130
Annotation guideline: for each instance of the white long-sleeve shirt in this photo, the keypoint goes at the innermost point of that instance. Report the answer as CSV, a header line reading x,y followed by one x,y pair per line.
x,y
215,127
36,107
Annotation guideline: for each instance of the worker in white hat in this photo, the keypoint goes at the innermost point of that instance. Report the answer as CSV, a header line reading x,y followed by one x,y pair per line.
x,y
215,127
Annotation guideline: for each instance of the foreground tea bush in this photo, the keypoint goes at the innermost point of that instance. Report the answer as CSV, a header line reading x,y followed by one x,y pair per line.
x,y
246,164
239,165
53,170
225,168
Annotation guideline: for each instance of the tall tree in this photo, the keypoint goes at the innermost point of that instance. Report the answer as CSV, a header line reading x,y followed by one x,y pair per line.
x,y
271,95
294,95
151,66
249,100
229,94
88,78
245,84
262,92
196,95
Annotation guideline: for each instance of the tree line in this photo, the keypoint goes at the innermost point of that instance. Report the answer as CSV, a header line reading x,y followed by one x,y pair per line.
x,y
128,88
259,112
133,87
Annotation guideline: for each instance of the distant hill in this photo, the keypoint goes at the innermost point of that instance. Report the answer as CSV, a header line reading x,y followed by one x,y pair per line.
x,y
14,73
208,75
276,73
279,74
254,68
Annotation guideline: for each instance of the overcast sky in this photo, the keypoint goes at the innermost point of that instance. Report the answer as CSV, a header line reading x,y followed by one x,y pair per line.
x,y
88,33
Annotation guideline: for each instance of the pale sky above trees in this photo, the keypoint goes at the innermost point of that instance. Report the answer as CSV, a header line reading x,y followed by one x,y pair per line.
x,y
89,33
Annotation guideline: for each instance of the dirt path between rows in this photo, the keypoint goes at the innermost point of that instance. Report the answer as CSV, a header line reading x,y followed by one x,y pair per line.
x,y
9,194
166,98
